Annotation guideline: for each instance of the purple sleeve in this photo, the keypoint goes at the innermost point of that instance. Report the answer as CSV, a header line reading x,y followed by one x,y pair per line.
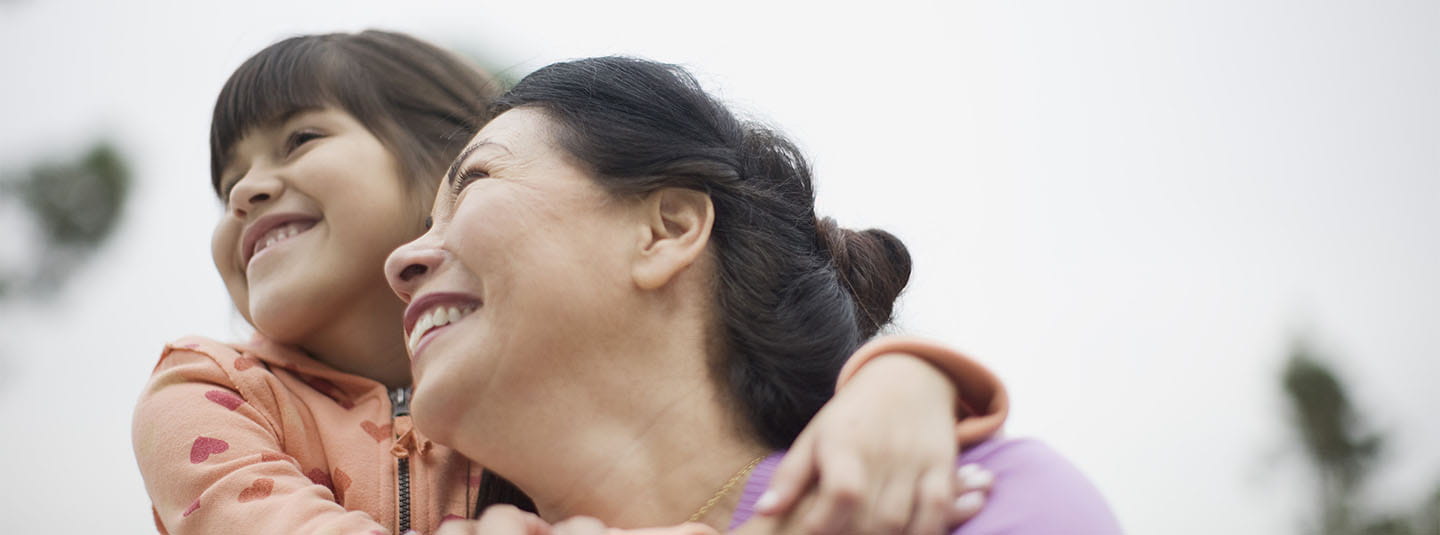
x,y
1036,491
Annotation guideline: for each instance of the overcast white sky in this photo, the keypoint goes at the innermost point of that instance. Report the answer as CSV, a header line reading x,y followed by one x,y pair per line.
x,y
1127,208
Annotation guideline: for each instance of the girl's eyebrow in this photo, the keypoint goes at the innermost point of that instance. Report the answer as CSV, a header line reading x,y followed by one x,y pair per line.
x,y
454,171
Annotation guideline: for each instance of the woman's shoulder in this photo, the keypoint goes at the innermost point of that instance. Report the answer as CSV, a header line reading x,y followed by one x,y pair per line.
x,y
1036,490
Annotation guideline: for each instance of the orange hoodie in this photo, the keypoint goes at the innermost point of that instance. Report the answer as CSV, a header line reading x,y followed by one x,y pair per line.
x,y
260,438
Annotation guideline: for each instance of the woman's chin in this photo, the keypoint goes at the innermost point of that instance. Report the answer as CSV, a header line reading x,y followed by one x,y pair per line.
x,y
436,423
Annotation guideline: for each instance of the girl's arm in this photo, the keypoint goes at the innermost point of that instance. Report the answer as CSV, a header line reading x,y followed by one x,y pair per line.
x,y
880,456
213,461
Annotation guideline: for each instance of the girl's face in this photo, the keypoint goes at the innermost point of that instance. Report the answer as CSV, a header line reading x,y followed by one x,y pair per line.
x,y
313,203
525,270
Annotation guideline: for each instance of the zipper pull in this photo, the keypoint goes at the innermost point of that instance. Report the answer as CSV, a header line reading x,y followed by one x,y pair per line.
x,y
400,419
400,401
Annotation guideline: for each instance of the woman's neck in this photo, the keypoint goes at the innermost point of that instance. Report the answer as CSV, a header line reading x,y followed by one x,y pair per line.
x,y
645,446
658,476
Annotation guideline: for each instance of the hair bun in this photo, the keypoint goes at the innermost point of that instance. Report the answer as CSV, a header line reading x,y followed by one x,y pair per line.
x,y
873,265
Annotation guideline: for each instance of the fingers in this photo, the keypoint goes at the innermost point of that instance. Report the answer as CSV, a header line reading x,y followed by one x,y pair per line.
x,y
839,496
892,506
579,525
793,477
499,520
934,503
973,484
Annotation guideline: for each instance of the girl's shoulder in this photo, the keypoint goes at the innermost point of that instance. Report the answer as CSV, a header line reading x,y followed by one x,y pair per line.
x,y
190,347
260,371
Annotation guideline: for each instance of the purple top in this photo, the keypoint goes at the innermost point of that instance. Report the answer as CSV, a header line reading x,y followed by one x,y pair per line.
x,y
1035,492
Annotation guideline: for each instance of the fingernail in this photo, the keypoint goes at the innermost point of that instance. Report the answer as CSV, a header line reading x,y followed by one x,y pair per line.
x,y
969,503
767,500
972,476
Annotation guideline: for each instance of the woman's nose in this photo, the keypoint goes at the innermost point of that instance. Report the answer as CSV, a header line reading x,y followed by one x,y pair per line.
x,y
253,190
410,264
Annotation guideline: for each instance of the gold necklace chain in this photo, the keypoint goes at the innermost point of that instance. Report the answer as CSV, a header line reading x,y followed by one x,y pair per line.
x,y
725,489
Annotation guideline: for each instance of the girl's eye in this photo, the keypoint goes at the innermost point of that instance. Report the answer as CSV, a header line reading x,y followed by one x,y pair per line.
x,y
300,137
429,222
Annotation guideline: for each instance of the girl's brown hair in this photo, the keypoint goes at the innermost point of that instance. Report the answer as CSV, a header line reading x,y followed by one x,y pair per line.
x,y
422,102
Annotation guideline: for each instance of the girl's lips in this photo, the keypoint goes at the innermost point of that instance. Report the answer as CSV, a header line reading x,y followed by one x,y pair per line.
x,y
278,241
262,231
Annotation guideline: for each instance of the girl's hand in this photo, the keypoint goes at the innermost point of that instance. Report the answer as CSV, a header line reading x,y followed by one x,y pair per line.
x,y
509,520
880,457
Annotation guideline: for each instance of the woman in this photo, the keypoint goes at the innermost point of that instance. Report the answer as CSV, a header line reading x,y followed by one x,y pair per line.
x,y
648,305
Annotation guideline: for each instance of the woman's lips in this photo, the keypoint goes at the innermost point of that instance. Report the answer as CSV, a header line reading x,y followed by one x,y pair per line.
x,y
435,315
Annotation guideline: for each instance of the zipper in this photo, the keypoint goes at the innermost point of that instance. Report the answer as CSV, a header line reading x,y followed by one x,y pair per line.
x,y
400,405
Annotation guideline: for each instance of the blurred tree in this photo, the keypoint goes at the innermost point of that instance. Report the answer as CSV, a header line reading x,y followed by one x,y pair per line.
x,y
75,206
1342,452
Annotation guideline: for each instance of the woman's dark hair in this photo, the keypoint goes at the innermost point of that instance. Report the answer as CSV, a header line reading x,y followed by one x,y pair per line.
x,y
422,102
796,295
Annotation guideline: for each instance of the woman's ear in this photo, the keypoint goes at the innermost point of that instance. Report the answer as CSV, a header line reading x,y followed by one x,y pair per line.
x,y
677,229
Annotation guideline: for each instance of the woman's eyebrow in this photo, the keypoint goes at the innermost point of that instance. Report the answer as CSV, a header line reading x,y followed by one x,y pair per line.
x,y
451,175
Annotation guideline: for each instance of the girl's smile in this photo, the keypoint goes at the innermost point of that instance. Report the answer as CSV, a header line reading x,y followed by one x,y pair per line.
x,y
272,229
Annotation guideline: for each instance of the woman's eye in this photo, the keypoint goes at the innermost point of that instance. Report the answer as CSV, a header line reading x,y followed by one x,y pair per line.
x,y
465,179
299,138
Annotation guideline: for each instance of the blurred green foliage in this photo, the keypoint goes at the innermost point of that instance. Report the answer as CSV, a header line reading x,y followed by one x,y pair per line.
x,y
1343,452
76,206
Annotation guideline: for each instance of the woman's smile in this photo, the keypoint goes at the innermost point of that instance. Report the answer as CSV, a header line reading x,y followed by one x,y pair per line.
x,y
430,314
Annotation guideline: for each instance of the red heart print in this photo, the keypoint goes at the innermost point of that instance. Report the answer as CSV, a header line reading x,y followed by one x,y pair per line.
x,y
319,477
204,447
225,399
193,506
245,363
377,432
259,489
268,457
342,482
331,390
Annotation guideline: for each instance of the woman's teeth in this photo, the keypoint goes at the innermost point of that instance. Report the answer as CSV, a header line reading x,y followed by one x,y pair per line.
x,y
438,317
275,235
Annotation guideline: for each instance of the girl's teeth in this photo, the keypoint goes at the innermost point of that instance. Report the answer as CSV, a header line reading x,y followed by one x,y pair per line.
x,y
278,235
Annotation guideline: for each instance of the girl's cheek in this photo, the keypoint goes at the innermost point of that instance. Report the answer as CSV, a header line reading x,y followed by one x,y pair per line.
x,y
223,247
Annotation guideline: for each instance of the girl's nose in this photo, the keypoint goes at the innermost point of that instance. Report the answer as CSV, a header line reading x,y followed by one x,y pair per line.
x,y
253,190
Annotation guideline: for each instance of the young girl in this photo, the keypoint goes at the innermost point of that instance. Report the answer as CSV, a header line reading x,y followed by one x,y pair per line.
x,y
326,151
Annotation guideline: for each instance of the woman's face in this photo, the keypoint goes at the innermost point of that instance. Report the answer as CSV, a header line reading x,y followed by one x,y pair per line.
x,y
524,269
314,205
